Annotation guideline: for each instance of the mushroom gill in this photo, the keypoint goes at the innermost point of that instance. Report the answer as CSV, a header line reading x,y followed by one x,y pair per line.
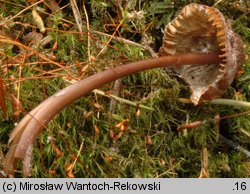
x,y
202,29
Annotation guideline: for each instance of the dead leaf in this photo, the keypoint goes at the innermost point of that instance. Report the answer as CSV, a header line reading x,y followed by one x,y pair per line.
x,y
39,21
65,25
70,174
138,113
124,125
108,159
54,6
111,134
55,46
119,135
97,131
204,173
58,152
52,172
118,125
88,114
97,105
85,67
149,140
32,38
16,106
68,167
163,162
5,69
31,1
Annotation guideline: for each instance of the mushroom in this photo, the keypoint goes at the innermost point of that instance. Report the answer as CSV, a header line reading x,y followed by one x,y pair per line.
x,y
180,38
202,29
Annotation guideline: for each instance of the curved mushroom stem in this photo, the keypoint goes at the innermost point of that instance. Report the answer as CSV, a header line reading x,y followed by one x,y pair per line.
x,y
24,134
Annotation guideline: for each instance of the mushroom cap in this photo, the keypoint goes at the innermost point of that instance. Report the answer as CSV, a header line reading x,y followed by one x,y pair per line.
x,y
202,29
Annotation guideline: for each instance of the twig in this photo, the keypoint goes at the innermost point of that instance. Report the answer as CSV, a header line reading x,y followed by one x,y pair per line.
x,y
234,146
78,154
3,99
230,102
221,101
96,91
88,30
77,15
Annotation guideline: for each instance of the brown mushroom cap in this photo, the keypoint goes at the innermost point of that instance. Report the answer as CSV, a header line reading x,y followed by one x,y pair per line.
x,y
202,29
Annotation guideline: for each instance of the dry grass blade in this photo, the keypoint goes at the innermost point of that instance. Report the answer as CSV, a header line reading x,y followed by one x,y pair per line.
x,y
122,100
204,164
88,28
245,132
77,15
3,99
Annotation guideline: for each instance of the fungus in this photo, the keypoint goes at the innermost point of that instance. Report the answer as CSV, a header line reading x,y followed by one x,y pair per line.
x,y
182,36
202,29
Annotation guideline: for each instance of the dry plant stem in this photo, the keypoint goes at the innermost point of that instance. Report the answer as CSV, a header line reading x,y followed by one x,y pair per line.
x,y
231,102
221,101
115,92
3,99
29,128
77,15
116,98
234,146
204,164
78,154
88,33
29,7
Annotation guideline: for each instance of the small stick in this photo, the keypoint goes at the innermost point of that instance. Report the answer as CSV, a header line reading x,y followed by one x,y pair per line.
x,y
234,146
221,101
135,104
88,30
204,173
